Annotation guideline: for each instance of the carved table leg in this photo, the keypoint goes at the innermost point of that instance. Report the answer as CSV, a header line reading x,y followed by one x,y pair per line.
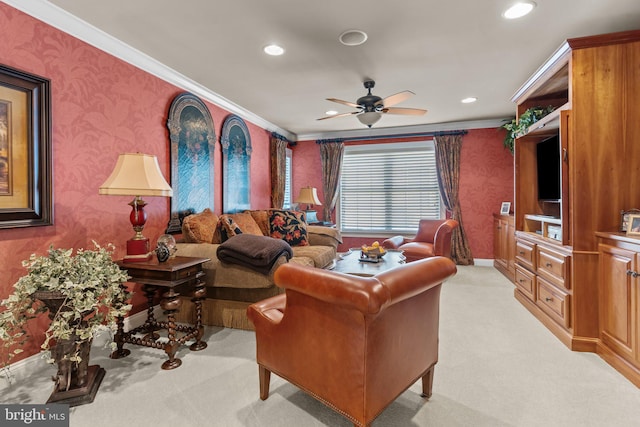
x,y
199,293
171,303
120,352
149,324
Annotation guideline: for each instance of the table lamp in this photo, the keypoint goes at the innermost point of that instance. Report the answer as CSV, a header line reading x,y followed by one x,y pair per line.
x,y
309,196
136,174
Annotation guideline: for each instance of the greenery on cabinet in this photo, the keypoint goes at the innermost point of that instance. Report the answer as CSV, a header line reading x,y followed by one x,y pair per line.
x,y
88,293
516,128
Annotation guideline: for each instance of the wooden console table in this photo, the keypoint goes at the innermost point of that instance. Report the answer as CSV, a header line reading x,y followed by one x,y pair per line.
x,y
154,276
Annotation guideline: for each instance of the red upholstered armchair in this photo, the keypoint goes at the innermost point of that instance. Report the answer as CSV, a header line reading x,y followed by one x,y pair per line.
x,y
354,343
433,239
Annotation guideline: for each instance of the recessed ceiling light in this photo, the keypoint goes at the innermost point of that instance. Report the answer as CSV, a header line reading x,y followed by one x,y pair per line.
x,y
353,37
273,50
331,112
518,10
469,100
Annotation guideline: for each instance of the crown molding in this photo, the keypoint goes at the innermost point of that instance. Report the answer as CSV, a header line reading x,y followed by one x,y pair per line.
x,y
72,25
404,131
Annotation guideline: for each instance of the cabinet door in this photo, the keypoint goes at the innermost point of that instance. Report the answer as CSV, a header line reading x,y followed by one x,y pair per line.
x,y
499,242
510,245
617,299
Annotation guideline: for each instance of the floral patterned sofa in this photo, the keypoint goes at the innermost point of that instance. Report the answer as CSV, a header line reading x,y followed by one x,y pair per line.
x,y
231,288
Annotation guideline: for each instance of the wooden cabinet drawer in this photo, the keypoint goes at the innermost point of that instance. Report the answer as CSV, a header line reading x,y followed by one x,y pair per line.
x,y
526,282
525,255
553,266
553,301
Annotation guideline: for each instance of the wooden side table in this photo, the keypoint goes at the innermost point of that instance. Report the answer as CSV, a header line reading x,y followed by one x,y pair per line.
x,y
156,276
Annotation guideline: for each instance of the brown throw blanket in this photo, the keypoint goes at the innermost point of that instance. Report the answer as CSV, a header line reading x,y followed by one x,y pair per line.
x,y
256,252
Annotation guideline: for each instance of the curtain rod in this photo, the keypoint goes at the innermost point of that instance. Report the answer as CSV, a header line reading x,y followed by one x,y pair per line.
x,y
393,136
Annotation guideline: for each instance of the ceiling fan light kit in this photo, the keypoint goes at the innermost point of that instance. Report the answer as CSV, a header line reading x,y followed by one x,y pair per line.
x,y
371,107
368,118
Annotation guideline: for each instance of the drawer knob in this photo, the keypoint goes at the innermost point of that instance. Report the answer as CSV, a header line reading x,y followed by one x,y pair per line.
x,y
549,265
635,274
629,272
521,280
521,252
547,299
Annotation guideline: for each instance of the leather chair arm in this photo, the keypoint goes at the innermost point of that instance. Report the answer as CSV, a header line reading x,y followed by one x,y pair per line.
x,y
424,274
393,242
268,312
442,238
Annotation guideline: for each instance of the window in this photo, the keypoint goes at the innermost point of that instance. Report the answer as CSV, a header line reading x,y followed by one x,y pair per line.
x,y
388,188
287,180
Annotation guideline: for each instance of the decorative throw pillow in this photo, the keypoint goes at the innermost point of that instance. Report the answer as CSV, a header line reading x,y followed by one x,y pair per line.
x,y
290,226
261,217
246,223
200,227
227,228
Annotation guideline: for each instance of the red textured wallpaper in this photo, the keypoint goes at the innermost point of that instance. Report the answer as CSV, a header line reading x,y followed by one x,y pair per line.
x,y
486,180
101,107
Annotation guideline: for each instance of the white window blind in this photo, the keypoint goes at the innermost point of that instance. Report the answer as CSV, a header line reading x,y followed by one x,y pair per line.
x,y
287,181
388,187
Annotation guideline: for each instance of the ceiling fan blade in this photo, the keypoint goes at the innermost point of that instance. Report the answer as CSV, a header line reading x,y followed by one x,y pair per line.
x,y
340,101
405,111
338,115
395,99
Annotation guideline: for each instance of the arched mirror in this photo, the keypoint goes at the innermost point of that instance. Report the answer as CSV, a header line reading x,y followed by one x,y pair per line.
x,y
236,161
192,158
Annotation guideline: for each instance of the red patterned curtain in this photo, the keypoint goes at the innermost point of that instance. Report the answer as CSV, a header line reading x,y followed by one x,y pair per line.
x,y
278,169
448,165
331,152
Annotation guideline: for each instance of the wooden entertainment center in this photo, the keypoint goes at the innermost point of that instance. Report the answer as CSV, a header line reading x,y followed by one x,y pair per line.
x,y
594,132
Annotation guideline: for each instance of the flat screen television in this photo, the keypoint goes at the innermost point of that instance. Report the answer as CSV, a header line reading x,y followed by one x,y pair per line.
x,y
548,163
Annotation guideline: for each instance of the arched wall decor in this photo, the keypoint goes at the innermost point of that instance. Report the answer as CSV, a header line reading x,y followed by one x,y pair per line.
x,y
192,158
236,162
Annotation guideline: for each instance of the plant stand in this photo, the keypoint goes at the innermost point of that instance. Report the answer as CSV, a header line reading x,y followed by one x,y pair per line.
x,y
80,395
76,383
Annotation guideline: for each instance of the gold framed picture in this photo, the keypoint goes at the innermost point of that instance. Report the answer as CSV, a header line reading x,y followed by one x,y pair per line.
x,y
633,226
25,150
624,218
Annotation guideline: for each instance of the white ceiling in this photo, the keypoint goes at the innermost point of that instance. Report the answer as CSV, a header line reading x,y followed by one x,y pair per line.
x,y
441,50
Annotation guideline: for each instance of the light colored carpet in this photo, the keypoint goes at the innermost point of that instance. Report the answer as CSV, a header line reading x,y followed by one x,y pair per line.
x,y
498,367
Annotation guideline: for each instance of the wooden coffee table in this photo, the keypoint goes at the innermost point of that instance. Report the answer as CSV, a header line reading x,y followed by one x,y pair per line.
x,y
349,262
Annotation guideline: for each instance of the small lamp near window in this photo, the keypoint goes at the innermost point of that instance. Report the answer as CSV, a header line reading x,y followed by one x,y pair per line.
x,y
137,174
309,196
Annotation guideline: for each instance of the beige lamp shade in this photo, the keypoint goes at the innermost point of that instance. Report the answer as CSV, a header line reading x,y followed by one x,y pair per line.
x,y
309,196
136,174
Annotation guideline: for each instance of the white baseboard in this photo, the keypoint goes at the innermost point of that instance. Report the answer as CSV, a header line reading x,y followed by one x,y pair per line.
x,y
22,368
483,262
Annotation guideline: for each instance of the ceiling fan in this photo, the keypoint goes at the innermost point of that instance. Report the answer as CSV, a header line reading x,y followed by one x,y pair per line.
x,y
370,107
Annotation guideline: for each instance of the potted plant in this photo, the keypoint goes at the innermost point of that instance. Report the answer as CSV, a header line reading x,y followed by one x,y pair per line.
x,y
519,127
82,294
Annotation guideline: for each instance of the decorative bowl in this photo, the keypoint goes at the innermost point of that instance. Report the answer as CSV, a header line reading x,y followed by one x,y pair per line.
x,y
373,252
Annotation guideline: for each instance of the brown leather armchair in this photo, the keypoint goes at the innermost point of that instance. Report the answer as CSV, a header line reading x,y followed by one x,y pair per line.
x,y
433,239
354,343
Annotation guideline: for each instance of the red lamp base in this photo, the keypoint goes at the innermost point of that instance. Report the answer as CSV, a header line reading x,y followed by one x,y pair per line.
x,y
137,250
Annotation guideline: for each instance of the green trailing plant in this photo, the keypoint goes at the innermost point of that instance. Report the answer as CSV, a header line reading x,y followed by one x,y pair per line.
x,y
90,287
516,128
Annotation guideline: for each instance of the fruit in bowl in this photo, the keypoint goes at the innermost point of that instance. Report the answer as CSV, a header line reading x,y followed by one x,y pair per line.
x,y
373,251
